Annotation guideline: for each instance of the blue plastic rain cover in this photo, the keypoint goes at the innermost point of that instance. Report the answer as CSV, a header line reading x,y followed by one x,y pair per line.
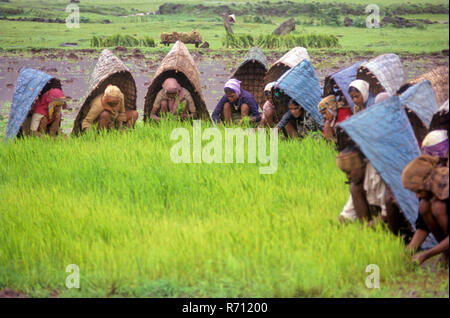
x,y
421,100
301,84
28,86
343,79
386,138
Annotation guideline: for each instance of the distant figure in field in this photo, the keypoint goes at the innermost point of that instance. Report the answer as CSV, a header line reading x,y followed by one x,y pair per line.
x,y
236,104
173,99
367,189
46,113
430,182
108,111
360,95
296,122
269,116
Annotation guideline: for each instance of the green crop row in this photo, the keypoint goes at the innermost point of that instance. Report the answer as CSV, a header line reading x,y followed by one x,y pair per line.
x,y
121,40
270,41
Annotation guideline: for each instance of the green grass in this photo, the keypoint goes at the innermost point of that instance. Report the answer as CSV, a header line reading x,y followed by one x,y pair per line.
x,y
16,35
26,35
139,225
154,4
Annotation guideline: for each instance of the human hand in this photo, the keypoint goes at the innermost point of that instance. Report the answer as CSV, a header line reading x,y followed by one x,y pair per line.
x,y
418,258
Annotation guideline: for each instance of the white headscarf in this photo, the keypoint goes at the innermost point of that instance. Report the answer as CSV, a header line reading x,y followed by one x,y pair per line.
x,y
434,137
362,87
269,86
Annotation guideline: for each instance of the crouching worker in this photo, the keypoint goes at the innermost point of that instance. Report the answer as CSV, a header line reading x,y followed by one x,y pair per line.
x,y
269,116
360,95
108,111
236,104
296,122
173,99
367,189
333,112
430,182
46,113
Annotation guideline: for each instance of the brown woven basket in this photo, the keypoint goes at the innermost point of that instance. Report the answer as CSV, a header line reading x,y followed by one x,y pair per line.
x,y
286,62
109,70
439,82
251,73
180,65
383,73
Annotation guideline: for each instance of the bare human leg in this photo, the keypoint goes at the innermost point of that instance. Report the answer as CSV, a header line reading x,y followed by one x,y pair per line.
x,y
227,113
104,121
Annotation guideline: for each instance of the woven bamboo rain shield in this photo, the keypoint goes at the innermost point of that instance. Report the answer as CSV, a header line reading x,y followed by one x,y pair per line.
x,y
439,81
285,63
251,73
341,81
178,64
420,99
385,137
301,84
384,74
108,70
30,84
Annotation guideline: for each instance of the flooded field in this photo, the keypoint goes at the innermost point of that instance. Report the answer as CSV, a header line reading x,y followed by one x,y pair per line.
x,y
74,69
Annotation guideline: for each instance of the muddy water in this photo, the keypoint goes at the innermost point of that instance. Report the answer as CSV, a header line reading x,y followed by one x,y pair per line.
x,y
74,69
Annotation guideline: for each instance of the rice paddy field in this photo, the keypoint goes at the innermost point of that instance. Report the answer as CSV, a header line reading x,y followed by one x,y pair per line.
x,y
139,225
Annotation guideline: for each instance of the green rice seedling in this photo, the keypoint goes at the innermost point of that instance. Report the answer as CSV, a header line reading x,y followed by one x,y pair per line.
x,y
138,224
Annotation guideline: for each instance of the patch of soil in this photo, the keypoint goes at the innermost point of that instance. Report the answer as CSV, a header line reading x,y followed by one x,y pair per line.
x,y
9,293
214,70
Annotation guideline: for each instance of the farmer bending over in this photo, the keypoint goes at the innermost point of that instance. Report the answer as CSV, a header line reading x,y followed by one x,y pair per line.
x,y
367,189
46,113
296,122
333,112
429,181
269,116
108,111
236,104
173,99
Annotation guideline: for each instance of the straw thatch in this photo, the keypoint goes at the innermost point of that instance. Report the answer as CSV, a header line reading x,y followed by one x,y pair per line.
x,y
439,82
109,70
340,82
178,64
286,62
251,73
384,74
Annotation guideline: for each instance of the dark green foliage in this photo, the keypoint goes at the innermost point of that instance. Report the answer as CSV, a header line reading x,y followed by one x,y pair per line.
x,y
257,19
359,22
290,9
329,17
10,11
